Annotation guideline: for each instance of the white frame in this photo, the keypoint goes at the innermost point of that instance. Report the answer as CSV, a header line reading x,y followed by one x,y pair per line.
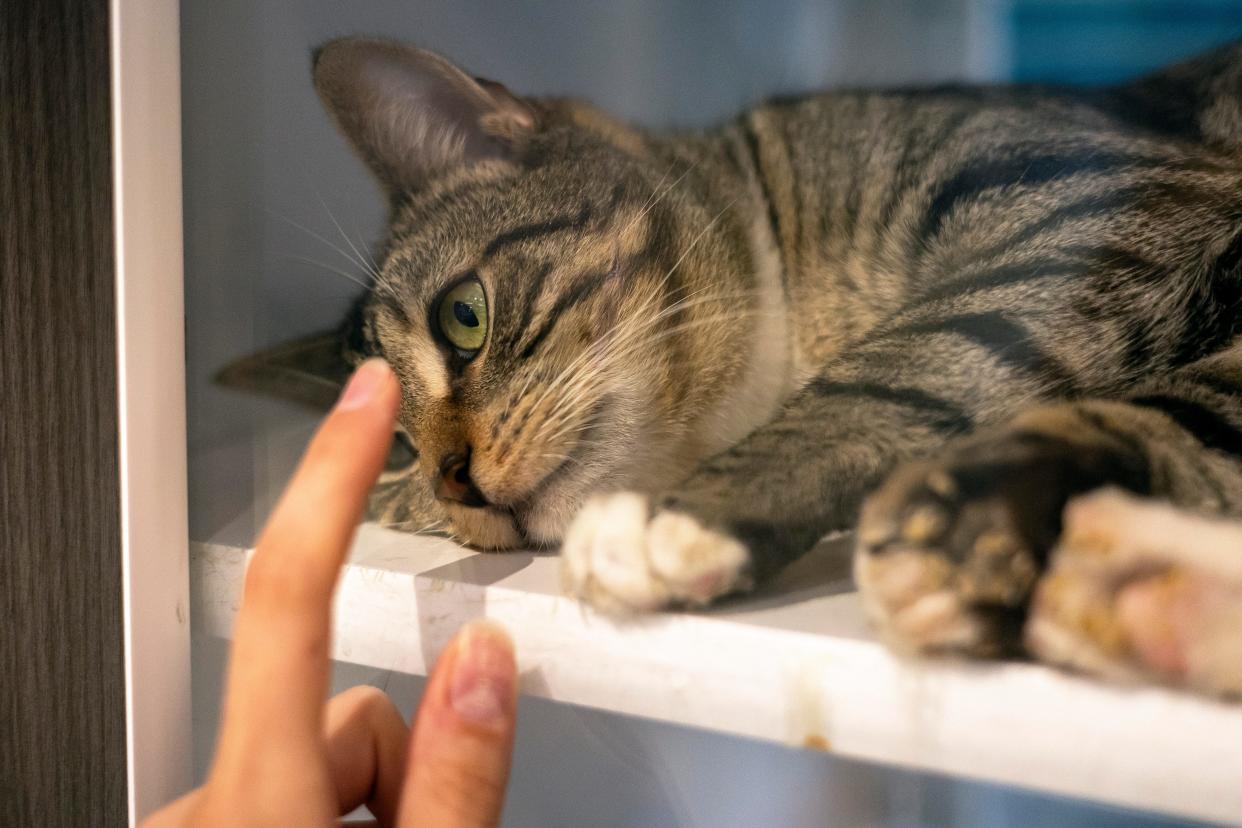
x,y
146,152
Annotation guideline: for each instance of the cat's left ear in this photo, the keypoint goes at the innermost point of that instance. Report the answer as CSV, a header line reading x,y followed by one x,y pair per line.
x,y
411,114
310,371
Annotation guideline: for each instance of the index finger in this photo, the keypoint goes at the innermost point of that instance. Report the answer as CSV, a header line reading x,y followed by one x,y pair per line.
x,y
278,672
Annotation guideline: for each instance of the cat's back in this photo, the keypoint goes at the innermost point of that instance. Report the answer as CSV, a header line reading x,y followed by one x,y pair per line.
x,y
882,137
1145,112
882,195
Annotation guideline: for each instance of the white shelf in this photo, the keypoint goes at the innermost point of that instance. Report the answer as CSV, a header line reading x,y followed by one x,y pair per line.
x,y
795,664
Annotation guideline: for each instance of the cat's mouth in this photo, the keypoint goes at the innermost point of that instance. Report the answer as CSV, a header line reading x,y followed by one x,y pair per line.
x,y
537,518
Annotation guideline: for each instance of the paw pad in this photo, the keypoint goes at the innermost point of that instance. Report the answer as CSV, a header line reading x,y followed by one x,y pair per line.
x,y
945,566
1138,590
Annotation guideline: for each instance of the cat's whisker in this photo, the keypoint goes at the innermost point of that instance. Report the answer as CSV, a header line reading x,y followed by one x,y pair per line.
x,y
573,396
692,300
565,374
326,241
655,192
580,442
561,458
656,292
561,415
377,284
597,348
580,384
568,429
724,315
571,393
608,342
566,415
695,241
343,274
659,195
620,327
634,344
433,528
729,316
364,259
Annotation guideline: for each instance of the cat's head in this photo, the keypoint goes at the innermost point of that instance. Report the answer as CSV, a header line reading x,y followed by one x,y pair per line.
x,y
556,296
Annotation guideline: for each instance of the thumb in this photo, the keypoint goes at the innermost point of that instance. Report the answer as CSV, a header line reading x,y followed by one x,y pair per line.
x,y
462,744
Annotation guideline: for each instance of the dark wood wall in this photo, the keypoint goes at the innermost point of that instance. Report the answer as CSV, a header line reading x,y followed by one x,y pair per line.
x,y
62,694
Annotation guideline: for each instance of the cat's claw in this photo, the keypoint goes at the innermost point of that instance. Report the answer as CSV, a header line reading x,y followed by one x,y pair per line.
x,y
622,557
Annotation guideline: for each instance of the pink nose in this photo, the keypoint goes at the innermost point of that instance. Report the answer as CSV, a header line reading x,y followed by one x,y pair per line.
x,y
454,483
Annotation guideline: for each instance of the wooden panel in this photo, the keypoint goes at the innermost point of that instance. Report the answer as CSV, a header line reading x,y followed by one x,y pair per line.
x,y
62,703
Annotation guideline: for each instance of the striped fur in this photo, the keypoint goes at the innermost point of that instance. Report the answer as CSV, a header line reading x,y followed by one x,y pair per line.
x,y
1026,292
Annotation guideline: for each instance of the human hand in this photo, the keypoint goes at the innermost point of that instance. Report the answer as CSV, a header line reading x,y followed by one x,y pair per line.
x,y
284,757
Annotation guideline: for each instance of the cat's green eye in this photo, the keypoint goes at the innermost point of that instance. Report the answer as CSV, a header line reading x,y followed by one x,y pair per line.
x,y
462,316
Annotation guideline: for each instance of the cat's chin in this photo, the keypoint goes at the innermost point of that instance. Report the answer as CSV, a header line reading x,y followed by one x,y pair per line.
x,y
491,529
544,527
497,530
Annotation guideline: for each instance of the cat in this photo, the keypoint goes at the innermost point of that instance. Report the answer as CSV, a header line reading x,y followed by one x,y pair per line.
x,y
685,356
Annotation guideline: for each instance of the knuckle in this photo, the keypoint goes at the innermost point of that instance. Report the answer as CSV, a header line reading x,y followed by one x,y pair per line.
x,y
363,700
473,796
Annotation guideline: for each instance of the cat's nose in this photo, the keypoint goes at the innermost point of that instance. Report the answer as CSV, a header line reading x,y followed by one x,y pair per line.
x,y
454,483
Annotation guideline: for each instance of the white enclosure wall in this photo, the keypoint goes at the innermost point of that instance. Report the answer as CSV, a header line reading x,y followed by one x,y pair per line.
x,y
279,218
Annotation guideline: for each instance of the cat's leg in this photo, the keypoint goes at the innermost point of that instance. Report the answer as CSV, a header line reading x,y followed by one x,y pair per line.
x,y
950,549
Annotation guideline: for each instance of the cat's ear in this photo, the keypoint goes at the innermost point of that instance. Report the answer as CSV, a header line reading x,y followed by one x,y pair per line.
x,y
411,114
310,371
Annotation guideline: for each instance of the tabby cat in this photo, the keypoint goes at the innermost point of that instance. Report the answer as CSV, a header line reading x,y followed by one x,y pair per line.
x,y
684,357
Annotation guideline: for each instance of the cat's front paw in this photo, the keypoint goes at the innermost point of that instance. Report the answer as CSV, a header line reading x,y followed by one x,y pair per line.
x,y
622,556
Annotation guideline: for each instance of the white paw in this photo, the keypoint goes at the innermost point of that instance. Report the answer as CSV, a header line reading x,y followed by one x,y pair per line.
x,y
1138,589
620,559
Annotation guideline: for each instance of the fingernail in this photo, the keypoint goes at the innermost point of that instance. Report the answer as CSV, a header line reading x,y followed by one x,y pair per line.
x,y
482,685
369,378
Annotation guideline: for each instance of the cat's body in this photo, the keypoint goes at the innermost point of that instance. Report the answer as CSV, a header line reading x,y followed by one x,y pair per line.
x,y
721,341
950,258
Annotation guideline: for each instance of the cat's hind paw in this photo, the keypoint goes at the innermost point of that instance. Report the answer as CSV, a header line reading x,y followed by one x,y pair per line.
x,y
944,561
1139,590
622,557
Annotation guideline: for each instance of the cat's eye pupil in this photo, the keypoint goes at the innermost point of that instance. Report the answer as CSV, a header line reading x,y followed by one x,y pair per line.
x,y
465,315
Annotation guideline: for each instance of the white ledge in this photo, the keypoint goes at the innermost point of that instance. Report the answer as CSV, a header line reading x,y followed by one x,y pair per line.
x,y
795,665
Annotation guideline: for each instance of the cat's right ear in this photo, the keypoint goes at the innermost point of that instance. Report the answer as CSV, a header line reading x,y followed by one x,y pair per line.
x,y
411,114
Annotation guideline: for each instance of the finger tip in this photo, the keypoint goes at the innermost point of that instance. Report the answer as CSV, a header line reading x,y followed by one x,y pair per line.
x,y
382,367
485,628
372,382
388,384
